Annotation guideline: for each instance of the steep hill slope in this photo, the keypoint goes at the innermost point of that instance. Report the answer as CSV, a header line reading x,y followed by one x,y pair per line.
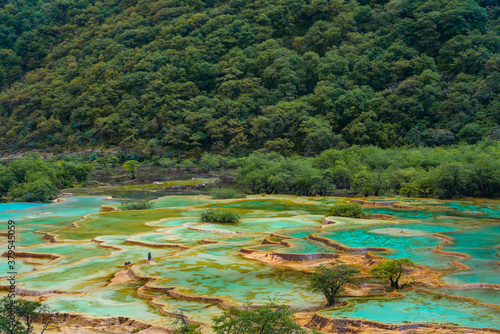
x,y
239,75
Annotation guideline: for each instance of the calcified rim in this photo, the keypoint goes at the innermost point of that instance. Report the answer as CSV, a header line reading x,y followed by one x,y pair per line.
x,y
319,319
286,257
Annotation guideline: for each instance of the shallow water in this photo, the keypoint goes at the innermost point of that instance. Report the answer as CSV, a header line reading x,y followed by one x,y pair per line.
x,y
219,270
417,248
418,307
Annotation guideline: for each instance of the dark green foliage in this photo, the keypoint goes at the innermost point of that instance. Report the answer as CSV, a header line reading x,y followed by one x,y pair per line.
x,y
36,180
272,173
231,77
137,205
353,210
393,270
271,318
219,216
464,170
225,193
328,279
26,314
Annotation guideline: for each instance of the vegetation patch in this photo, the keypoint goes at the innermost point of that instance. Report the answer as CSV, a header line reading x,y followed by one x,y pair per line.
x,y
35,180
270,318
394,270
137,205
353,210
219,216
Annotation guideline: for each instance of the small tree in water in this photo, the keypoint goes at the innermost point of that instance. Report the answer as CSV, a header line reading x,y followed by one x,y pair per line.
x,y
328,279
393,270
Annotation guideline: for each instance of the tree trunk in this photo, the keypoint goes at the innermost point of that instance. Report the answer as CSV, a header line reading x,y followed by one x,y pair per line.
x,y
330,297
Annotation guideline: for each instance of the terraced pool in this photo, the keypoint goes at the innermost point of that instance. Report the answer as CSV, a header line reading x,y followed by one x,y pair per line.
x,y
205,261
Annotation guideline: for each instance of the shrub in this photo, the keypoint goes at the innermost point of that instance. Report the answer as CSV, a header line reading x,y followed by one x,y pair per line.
x,y
219,216
270,318
347,210
139,205
225,193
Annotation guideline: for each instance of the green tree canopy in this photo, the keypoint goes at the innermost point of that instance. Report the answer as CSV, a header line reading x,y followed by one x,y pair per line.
x,y
271,318
393,270
328,279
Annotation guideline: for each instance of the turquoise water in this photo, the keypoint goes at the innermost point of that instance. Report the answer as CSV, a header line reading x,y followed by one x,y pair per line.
x,y
219,270
116,301
417,248
274,205
19,206
420,307
224,273
20,267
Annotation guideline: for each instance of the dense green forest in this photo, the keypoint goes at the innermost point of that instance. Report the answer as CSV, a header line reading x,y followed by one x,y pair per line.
x,y
35,180
296,76
451,172
468,170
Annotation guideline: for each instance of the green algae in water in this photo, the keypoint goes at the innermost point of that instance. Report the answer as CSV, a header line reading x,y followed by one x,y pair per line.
x,y
220,270
89,273
70,207
269,225
299,233
419,307
117,301
21,267
233,278
116,223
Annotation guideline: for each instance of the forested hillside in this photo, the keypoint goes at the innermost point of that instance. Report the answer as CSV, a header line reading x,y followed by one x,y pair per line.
x,y
286,75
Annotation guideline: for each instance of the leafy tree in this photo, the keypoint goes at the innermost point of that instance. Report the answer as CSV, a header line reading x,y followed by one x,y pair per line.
x,y
328,279
364,183
131,167
219,216
26,313
271,318
393,270
113,160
